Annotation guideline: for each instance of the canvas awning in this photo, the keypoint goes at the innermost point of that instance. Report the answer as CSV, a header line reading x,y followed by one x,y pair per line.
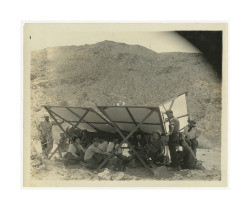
x,y
128,117
84,118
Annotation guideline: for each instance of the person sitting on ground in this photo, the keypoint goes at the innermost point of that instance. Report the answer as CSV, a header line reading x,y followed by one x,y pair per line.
x,y
93,155
86,139
156,148
191,134
190,145
134,142
75,152
142,140
119,161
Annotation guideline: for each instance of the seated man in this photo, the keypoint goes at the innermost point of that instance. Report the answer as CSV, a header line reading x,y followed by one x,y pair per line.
x,y
133,141
118,161
142,140
191,134
75,152
86,138
188,159
156,148
93,155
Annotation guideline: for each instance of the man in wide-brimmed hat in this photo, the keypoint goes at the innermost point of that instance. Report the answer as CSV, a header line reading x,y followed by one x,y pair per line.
x,y
191,134
156,147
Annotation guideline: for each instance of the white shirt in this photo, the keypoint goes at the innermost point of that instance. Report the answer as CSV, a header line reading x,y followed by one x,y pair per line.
x,y
192,134
103,146
91,151
72,149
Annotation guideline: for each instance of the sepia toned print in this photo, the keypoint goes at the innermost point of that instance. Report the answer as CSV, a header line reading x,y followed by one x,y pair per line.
x,y
125,105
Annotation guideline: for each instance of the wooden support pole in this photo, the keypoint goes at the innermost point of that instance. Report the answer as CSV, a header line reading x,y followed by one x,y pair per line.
x,y
50,111
164,107
171,105
132,118
79,121
87,111
186,97
190,150
182,116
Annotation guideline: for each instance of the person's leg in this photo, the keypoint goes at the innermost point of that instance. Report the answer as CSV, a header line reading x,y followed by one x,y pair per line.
x,y
172,149
124,160
153,156
44,145
194,145
59,150
50,145
99,157
72,159
44,148
160,159
92,163
173,141
171,152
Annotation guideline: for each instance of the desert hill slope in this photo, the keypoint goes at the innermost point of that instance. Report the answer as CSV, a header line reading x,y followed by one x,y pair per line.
x,y
107,72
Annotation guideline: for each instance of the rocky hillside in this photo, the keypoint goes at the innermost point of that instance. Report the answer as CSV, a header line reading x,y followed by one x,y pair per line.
x,y
107,72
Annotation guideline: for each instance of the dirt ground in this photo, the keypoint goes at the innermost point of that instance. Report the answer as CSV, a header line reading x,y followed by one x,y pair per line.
x,y
55,169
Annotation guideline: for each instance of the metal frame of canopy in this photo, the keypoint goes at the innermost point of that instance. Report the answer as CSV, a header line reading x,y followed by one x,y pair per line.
x,y
81,120
137,127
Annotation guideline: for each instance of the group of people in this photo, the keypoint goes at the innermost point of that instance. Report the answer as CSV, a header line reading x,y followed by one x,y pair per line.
x,y
82,148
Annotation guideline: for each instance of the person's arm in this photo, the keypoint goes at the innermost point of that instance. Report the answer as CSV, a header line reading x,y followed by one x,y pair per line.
x,y
185,132
74,154
171,127
96,150
81,148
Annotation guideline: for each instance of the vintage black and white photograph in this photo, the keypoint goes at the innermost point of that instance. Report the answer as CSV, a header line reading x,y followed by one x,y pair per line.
x,y
125,104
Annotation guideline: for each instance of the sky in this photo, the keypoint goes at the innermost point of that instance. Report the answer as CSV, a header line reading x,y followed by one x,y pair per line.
x,y
41,36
